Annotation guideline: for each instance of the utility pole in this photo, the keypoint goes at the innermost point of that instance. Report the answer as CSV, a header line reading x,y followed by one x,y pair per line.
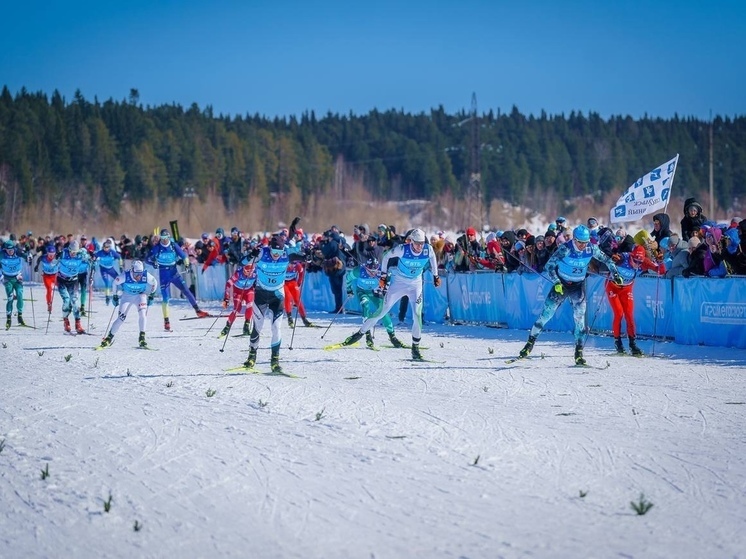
x,y
474,204
712,180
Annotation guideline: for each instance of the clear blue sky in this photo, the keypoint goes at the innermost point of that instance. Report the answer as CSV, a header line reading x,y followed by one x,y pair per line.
x,y
281,58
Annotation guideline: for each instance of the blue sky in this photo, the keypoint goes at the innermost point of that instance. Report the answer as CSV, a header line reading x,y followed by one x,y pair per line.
x,y
283,58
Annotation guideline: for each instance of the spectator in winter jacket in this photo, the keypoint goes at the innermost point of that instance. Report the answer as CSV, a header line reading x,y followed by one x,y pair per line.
x,y
693,219
733,252
697,253
467,251
661,229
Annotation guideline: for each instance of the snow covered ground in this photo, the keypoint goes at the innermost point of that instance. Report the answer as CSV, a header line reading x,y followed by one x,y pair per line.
x,y
369,455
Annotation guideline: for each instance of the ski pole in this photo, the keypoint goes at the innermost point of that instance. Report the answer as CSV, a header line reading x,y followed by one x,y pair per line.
x,y
33,314
112,316
297,308
49,318
225,341
336,314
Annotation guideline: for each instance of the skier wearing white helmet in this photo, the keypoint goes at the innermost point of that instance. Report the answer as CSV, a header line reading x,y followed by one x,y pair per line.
x,y
136,287
413,258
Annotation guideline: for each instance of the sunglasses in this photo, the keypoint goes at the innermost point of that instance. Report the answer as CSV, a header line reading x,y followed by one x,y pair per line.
x,y
277,251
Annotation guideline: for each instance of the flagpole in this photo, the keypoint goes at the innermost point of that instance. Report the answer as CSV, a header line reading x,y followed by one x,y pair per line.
x,y
670,186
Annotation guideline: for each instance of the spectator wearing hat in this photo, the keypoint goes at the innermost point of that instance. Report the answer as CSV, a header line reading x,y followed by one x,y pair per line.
x,y
661,227
693,219
696,262
732,252
467,251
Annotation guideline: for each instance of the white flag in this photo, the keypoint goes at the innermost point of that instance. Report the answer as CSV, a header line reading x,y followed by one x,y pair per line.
x,y
647,195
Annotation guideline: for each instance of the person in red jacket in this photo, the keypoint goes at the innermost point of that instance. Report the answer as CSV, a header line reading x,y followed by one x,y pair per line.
x,y
241,287
621,299
293,282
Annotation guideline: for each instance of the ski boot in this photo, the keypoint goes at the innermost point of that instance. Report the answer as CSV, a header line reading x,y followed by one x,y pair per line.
x,y
141,340
201,313
79,327
633,348
7,322
106,342
527,348
290,322
352,339
579,355
66,322
416,355
275,364
82,311
246,329
167,324
20,320
369,339
251,361
307,323
394,340
619,345
225,330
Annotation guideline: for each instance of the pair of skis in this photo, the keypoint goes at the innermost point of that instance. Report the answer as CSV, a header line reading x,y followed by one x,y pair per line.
x,y
255,371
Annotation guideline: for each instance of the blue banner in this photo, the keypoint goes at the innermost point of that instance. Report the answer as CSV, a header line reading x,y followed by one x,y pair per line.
x,y
714,311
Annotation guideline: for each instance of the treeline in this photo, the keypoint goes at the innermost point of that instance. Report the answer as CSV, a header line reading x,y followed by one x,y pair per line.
x,y
105,153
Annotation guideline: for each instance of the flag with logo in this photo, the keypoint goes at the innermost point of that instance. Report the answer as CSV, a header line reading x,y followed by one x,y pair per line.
x,y
647,195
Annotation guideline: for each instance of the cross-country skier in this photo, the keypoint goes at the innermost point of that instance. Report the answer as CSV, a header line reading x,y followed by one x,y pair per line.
x,y
241,286
363,281
67,284
294,277
268,297
107,258
165,255
11,263
567,268
85,274
49,265
621,299
406,279
137,288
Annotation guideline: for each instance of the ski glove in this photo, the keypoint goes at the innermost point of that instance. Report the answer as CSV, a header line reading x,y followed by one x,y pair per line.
x,y
150,298
617,279
436,281
382,282
225,303
115,300
558,288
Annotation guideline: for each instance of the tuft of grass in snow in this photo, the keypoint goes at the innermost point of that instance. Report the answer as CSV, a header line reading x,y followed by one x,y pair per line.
x,y
68,357
641,506
320,414
490,350
107,503
476,460
262,403
169,384
582,494
5,346
137,526
210,392
40,353
2,445
45,472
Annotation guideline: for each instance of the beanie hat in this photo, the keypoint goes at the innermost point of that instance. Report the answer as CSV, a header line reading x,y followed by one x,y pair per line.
x,y
471,231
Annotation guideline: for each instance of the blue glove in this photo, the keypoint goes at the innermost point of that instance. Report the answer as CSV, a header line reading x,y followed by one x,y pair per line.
x,y
558,288
115,300
150,299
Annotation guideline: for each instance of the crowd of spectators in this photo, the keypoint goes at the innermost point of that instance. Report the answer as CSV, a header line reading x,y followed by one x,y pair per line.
x,y
702,247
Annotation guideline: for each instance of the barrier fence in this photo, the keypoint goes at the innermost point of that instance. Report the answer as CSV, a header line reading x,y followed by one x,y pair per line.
x,y
692,311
